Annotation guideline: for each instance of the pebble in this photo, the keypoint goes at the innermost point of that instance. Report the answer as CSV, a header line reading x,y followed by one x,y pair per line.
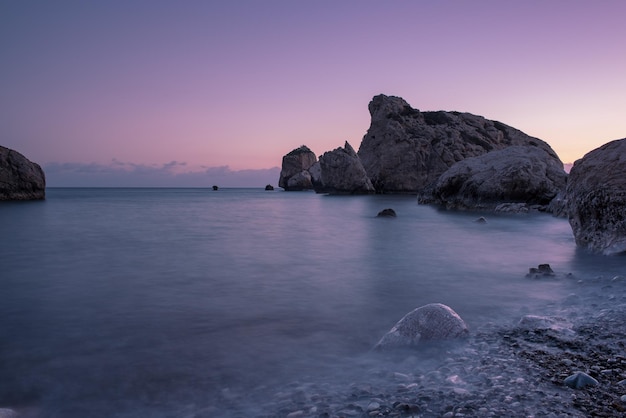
x,y
580,380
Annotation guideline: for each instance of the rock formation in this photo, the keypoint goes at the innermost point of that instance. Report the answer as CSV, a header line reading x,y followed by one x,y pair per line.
x,y
596,199
387,213
294,173
20,179
343,173
405,150
519,175
428,323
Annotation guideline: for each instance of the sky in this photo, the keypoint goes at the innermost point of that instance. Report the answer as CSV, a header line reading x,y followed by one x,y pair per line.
x,y
195,93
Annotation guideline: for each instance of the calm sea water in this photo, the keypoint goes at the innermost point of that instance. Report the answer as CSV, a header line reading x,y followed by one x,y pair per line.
x,y
162,302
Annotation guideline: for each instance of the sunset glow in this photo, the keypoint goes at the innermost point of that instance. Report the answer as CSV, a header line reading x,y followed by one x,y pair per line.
x,y
239,84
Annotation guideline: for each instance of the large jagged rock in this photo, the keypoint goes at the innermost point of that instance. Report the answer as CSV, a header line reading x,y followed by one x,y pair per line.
x,y
20,179
515,174
294,173
596,199
343,173
427,323
406,150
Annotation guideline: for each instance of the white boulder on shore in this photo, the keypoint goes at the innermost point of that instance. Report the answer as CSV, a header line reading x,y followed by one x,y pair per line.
x,y
431,322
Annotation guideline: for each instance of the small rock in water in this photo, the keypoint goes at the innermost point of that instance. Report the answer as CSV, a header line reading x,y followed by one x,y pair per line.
x,y
387,213
580,380
481,220
541,270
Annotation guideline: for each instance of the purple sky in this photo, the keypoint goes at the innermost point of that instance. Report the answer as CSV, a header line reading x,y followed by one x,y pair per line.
x,y
150,92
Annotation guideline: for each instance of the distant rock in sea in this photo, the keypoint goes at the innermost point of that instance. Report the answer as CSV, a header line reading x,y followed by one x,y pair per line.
x,y
513,179
343,173
596,199
299,171
431,322
387,213
269,187
20,179
406,150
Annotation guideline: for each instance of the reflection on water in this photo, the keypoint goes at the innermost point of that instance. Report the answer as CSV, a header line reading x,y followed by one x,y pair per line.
x,y
149,301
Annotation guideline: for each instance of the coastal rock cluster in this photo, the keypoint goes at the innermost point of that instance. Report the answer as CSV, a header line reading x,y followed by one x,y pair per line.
x,y
408,151
461,161
20,178
405,150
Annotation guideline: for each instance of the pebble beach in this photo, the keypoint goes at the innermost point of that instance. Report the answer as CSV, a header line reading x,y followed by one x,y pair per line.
x,y
516,370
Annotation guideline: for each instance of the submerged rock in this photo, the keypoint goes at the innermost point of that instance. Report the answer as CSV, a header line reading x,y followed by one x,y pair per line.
x,y
580,380
387,213
405,150
540,270
20,178
537,322
427,323
512,179
596,199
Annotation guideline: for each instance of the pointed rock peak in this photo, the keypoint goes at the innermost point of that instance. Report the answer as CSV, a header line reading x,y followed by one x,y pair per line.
x,y
349,149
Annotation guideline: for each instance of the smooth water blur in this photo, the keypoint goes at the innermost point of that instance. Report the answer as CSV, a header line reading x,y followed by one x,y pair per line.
x,y
158,302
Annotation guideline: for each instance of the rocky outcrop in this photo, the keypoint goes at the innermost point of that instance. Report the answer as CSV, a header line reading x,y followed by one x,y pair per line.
x,y
20,179
294,173
596,199
387,213
343,173
406,150
513,179
428,323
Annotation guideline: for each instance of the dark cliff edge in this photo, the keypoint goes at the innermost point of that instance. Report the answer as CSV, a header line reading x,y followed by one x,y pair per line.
x,y
20,178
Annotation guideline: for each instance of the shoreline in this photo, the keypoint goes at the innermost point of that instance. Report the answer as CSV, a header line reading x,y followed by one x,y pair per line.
x,y
501,370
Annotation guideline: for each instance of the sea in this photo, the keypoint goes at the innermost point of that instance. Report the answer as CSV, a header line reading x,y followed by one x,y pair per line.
x,y
175,302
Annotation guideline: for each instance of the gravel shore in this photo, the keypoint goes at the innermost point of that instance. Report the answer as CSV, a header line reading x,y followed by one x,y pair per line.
x,y
515,370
